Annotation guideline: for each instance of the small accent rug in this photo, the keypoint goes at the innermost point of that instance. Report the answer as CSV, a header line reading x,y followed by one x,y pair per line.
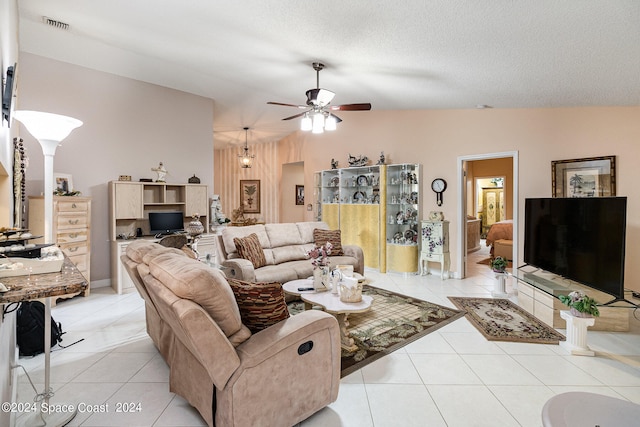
x,y
502,320
394,321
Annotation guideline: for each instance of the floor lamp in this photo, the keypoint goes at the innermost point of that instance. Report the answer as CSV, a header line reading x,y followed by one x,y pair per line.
x,y
49,129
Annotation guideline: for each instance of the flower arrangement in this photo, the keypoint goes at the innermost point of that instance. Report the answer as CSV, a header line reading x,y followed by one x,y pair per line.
x,y
499,264
580,303
320,255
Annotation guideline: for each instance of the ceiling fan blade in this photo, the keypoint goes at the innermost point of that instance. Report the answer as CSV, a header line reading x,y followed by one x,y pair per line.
x,y
319,97
287,105
351,107
295,117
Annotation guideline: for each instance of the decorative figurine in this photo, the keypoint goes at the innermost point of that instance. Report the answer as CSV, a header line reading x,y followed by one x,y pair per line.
x,y
382,159
358,161
194,180
161,171
334,164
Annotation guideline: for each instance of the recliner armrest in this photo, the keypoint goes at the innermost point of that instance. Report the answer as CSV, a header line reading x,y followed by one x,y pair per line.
x,y
356,252
239,268
287,372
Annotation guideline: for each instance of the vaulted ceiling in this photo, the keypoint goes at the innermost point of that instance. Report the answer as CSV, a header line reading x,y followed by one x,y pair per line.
x,y
400,54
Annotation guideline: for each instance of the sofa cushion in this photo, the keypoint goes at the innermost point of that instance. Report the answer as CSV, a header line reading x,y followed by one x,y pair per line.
x,y
306,229
320,237
284,234
261,304
137,249
249,248
289,253
230,233
160,250
206,286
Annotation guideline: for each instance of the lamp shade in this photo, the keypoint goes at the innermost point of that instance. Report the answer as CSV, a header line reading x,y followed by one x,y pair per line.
x,y
49,126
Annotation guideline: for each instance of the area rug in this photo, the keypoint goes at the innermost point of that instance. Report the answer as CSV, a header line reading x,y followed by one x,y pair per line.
x,y
394,321
502,320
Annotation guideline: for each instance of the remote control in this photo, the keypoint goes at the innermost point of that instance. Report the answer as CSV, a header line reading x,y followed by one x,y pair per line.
x,y
304,289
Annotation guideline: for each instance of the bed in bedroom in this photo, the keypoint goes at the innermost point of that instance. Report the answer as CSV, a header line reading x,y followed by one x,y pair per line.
x,y
500,239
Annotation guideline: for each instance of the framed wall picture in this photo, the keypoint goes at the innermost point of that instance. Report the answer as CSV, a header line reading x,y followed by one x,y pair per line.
x,y
588,177
299,194
250,195
63,183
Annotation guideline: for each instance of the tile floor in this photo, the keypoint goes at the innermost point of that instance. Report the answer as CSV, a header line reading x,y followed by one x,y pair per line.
x,y
452,377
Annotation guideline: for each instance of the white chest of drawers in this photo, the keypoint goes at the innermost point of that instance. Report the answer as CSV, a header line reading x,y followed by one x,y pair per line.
x,y
71,228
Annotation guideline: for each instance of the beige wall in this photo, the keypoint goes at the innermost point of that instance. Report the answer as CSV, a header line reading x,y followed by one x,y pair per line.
x,y
436,138
129,127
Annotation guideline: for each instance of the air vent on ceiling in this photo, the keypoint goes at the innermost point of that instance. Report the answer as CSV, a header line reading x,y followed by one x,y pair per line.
x,y
55,23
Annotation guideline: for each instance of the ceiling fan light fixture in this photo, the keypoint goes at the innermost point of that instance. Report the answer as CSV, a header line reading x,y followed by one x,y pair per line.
x,y
306,123
330,123
246,159
318,123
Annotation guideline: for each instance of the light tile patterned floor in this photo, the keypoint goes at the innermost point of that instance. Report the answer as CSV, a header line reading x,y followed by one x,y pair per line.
x,y
451,377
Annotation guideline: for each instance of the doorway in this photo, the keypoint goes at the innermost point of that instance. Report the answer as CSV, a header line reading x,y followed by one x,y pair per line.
x,y
468,194
292,195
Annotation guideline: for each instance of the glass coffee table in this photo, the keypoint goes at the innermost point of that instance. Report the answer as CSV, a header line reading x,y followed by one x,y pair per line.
x,y
330,303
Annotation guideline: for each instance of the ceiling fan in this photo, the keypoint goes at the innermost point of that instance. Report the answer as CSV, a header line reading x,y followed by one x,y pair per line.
x,y
318,116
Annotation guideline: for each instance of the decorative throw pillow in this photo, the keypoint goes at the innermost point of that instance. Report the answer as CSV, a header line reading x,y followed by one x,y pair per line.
x,y
320,237
249,248
261,304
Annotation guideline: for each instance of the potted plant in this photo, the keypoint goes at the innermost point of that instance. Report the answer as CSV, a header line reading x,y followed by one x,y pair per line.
x,y
580,305
499,264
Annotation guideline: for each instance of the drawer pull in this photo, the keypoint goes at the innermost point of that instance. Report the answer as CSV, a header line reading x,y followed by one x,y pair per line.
x,y
74,221
73,235
73,205
74,249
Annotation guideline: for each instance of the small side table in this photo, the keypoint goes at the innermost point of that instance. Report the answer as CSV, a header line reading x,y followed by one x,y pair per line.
x,y
48,286
576,342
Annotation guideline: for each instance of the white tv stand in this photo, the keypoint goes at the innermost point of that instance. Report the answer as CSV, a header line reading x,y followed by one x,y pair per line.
x,y
538,293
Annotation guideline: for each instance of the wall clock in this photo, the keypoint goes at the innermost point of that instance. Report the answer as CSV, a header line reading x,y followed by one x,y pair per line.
x,y
438,186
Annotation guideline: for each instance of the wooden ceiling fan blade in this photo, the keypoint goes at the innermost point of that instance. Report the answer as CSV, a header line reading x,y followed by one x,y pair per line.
x,y
351,107
287,105
295,117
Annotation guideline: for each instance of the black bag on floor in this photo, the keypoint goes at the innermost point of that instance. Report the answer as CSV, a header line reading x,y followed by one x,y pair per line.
x,y
30,329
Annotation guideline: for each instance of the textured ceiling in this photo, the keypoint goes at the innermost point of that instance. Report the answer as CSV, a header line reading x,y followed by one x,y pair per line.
x,y
400,54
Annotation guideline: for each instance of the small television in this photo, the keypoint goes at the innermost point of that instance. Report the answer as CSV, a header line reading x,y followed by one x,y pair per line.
x,y
166,222
581,239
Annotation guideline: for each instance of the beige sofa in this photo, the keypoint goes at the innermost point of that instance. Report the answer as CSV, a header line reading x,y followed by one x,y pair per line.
x,y
285,247
231,376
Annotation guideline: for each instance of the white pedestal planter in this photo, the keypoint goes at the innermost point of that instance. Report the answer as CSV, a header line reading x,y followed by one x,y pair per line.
x,y
499,289
576,342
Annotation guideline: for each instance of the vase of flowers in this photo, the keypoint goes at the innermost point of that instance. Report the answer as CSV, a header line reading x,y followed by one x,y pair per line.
x,y
580,305
320,260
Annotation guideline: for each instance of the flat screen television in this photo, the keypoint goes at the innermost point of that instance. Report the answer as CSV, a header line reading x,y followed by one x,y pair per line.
x,y
582,239
166,222
7,93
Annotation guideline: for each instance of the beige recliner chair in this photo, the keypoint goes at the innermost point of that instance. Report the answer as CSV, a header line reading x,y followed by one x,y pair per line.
x,y
276,377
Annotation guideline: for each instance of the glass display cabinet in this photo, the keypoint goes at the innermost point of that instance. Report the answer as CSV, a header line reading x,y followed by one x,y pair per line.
x,y
403,208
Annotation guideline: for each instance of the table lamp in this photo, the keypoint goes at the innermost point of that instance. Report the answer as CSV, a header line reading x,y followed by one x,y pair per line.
x,y
49,129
